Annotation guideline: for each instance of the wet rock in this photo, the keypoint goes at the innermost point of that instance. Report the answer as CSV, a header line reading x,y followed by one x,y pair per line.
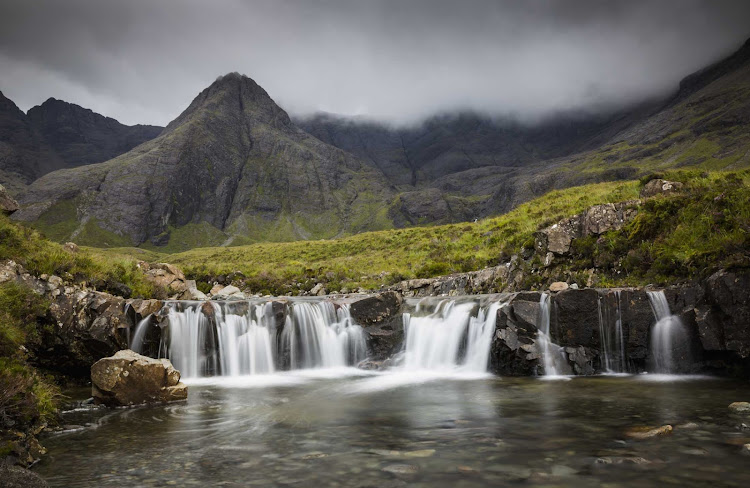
x,y
581,359
514,351
18,477
139,309
8,204
740,408
376,309
558,286
127,378
724,320
648,432
574,319
746,449
660,187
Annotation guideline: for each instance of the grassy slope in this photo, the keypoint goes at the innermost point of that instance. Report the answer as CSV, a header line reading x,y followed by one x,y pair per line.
x,y
418,252
674,238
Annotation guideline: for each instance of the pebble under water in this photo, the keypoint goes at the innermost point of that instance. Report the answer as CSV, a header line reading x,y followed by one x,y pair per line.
x,y
352,429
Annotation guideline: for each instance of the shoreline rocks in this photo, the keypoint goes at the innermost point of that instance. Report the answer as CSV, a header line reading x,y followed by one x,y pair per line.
x,y
128,378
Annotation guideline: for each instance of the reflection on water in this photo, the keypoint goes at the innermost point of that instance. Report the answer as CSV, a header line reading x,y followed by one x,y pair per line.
x,y
349,428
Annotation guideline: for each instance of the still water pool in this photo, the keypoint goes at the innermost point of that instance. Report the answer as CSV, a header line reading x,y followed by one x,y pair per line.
x,y
348,429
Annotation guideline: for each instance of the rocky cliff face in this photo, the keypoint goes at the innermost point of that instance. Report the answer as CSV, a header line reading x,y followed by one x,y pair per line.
x,y
231,166
80,136
24,154
58,135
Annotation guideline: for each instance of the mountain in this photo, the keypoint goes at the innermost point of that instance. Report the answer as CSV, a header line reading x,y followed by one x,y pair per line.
x,y
231,168
58,135
458,167
80,136
445,166
24,154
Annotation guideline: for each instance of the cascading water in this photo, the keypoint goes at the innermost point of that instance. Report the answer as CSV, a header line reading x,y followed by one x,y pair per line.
x,y
669,339
553,356
319,335
611,336
450,337
242,338
136,342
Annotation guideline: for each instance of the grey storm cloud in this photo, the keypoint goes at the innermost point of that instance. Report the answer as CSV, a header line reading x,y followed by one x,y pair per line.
x,y
142,61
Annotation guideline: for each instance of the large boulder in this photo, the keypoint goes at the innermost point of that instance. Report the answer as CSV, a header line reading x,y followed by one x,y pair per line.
x,y
8,204
168,279
127,378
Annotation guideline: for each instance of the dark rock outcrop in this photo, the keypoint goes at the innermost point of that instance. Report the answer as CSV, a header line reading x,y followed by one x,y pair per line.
x,y
127,378
8,204
380,315
514,351
723,319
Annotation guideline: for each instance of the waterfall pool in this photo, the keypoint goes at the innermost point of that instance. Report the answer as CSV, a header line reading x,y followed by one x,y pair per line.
x,y
350,428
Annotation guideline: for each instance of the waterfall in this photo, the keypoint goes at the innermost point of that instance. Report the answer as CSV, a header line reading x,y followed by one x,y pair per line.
x,y
553,356
242,337
611,336
450,337
319,335
136,343
668,336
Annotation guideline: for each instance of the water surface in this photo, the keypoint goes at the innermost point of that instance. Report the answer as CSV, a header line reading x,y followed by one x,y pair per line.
x,y
355,429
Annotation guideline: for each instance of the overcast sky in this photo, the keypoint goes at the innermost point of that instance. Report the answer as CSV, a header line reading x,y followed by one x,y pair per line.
x,y
143,61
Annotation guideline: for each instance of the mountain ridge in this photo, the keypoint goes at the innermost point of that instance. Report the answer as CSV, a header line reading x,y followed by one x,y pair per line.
x,y
231,165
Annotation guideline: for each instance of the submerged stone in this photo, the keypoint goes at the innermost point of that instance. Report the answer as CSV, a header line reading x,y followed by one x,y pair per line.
x,y
648,432
740,407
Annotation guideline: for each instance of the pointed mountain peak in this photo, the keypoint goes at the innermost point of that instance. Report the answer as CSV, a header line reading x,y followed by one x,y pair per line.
x,y
234,95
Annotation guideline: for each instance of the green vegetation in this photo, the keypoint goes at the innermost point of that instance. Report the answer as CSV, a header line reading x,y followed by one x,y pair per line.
x,y
41,256
677,237
26,397
374,259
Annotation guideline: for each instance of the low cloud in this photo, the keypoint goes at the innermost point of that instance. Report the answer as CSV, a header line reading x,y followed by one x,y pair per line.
x,y
143,61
